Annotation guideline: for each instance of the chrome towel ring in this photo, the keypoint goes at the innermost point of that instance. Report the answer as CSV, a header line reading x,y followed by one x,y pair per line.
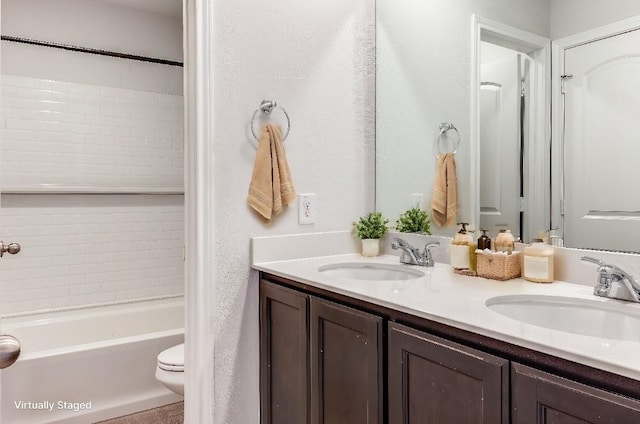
x,y
267,106
444,127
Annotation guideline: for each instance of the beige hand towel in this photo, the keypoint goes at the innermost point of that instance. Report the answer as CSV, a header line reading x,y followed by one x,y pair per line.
x,y
271,185
444,201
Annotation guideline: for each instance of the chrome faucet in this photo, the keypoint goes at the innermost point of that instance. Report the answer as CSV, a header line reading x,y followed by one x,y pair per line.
x,y
413,256
614,282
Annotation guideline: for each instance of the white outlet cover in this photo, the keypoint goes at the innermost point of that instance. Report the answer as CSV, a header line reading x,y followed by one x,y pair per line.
x,y
307,208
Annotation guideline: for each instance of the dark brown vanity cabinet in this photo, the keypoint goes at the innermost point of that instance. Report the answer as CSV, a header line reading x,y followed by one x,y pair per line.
x,y
284,355
346,365
432,380
321,362
542,398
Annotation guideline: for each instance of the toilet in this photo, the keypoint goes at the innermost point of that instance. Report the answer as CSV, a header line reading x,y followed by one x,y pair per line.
x,y
170,368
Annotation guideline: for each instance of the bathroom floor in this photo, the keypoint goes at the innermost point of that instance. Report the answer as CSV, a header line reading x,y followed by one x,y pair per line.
x,y
168,414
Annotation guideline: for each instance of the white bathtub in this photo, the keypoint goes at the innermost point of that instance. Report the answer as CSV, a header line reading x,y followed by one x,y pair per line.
x,y
89,365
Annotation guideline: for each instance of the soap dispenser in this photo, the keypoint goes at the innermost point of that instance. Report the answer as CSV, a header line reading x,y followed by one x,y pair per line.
x,y
537,263
459,249
505,242
484,241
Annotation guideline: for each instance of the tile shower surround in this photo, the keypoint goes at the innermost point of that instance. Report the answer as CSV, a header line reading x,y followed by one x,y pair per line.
x,y
83,249
86,249
56,132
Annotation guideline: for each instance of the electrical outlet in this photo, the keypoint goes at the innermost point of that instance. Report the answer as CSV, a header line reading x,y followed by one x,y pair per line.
x,y
307,208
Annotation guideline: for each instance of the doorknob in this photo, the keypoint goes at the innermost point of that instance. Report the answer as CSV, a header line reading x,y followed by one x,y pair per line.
x,y
11,248
9,350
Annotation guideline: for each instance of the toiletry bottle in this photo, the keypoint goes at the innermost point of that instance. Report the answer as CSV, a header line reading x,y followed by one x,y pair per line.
x,y
484,241
505,242
537,263
473,260
459,248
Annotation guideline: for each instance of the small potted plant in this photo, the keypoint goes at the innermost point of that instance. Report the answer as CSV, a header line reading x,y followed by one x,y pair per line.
x,y
370,229
414,220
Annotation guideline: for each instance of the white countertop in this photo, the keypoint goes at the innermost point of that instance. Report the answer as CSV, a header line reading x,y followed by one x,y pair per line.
x,y
459,301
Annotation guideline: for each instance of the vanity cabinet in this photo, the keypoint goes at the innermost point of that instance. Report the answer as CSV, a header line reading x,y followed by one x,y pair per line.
x,y
542,398
433,380
320,362
346,365
327,358
284,355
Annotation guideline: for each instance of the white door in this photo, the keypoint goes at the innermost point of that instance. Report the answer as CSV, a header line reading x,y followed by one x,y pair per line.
x,y
602,144
500,143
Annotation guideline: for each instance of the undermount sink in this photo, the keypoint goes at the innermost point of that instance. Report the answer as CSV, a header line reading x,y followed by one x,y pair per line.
x,y
371,271
606,320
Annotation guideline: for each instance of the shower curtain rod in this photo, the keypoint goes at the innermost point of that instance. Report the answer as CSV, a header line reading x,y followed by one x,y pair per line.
x,y
90,50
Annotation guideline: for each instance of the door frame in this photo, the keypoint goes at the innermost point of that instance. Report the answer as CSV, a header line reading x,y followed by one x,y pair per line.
x,y
503,80
558,48
198,23
537,48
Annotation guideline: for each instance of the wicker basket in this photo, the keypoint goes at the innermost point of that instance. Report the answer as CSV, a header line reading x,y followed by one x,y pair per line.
x,y
498,266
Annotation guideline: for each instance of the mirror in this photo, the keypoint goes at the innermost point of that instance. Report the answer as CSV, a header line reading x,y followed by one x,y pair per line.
x,y
425,70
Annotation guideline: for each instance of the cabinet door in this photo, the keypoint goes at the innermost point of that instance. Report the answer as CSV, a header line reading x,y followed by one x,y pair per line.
x,y
346,365
432,380
542,398
284,355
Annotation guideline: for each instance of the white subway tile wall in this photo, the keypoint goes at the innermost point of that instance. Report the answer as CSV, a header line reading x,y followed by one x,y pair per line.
x,y
68,134
85,249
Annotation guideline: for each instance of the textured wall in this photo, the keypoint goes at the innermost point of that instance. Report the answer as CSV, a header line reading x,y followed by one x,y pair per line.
x,y
317,60
423,78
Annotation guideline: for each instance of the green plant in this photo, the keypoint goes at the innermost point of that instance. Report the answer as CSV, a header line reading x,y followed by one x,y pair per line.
x,y
371,226
414,221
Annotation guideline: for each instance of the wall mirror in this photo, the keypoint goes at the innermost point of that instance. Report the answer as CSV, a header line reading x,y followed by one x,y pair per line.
x,y
491,77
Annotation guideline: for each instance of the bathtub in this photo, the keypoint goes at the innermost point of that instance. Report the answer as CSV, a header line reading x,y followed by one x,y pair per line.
x,y
83,366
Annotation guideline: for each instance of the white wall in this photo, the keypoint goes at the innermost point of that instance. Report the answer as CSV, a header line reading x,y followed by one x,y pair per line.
x,y
97,25
423,79
316,59
570,17
72,119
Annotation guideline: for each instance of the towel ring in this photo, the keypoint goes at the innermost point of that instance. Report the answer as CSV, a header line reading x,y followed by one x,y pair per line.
x,y
444,127
267,106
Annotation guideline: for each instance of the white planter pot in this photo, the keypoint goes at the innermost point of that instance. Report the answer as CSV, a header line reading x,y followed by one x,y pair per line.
x,y
370,247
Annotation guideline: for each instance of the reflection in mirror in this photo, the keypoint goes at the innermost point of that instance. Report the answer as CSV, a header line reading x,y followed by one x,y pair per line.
x,y
600,92
423,61
510,129
501,138
422,80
